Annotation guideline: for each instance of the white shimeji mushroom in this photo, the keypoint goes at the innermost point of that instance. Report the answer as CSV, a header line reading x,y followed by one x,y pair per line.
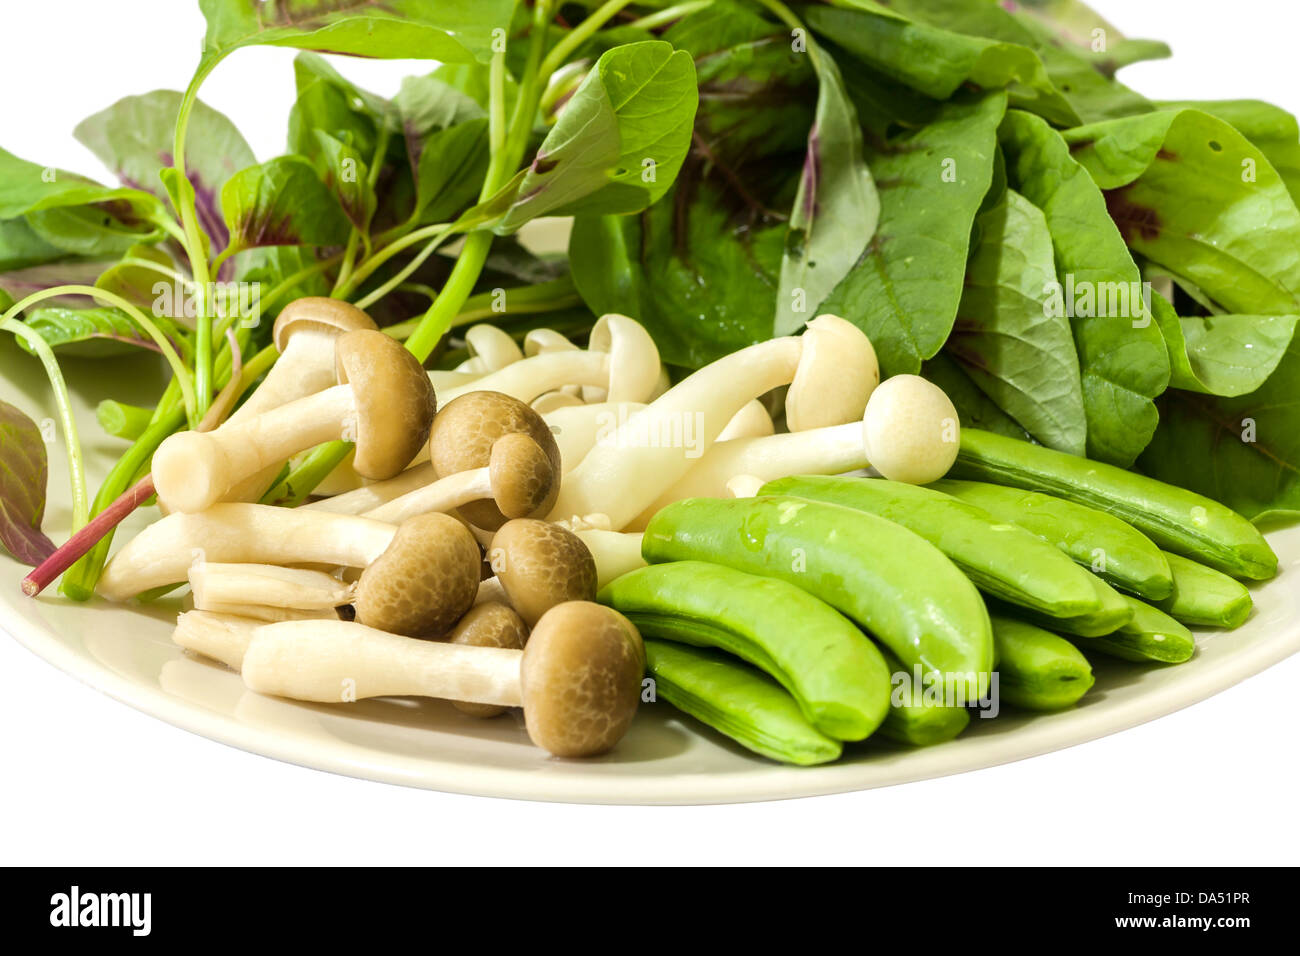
x,y
649,452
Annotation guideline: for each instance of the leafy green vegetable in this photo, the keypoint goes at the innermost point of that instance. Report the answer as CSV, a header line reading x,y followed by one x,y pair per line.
x,y
281,203
905,290
1243,451
1122,356
345,172
447,30
1191,193
26,188
1272,130
938,62
619,142
92,333
133,137
1085,32
1226,355
23,476
134,281
835,210
697,274
20,246
1012,338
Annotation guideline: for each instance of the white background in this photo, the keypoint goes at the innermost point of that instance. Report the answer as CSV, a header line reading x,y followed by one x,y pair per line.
x,y
85,780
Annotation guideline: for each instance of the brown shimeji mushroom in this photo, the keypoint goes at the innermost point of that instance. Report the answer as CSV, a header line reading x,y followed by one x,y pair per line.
x,y
384,403
578,678
305,334
488,625
419,578
538,565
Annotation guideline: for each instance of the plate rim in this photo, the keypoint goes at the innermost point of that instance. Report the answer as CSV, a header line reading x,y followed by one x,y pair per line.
x,y
767,781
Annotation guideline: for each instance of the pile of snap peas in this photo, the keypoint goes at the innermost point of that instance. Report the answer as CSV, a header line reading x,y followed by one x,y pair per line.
x,y
795,622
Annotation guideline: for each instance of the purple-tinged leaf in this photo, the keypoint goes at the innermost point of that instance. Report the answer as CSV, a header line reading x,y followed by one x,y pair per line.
x,y
282,203
24,470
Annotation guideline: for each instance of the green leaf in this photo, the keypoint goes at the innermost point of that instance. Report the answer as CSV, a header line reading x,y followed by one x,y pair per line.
x,y
1227,355
1079,79
1192,194
473,80
1122,358
329,103
281,203
974,408
102,229
1011,334
21,246
451,31
905,290
345,172
137,284
1087,33
447,144
836,209
26,187
756,94
24,472
700,275
937,61
134,138
1272,130
1244,451
99,332
620,140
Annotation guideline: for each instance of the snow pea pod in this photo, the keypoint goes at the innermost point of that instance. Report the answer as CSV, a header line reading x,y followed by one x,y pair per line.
x,y
1205,596
1002,559
1113,614
1174,518
833,670
738,701
1152,635
1111,548
915,721
891,581
1038,670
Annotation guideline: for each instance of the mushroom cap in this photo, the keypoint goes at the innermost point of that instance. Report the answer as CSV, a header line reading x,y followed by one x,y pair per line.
x,y
488,625
523,481
911,431
320,313
425,580
633,357
540,565
581,679
467,429
836,375
394,401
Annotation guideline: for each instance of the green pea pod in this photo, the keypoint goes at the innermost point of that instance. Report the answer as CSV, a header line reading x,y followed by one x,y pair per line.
x,y
1038,670
1114,613
1174,518
831,668
1204,596
1152,635
892,582
912,719
1109,547
1000,558
738,701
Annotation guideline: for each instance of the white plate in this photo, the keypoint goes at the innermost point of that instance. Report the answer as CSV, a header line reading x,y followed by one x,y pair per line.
x,y
126,652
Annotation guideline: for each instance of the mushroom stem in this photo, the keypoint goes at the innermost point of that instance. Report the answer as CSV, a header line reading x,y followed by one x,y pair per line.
x,y
269,614
819,451
369,497
615,552
216,585
339,661
645,455
162,553
531,377
193,470
223,637
444,494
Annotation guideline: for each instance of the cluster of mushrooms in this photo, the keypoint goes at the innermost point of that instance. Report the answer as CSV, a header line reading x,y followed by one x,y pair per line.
x,y
458,552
